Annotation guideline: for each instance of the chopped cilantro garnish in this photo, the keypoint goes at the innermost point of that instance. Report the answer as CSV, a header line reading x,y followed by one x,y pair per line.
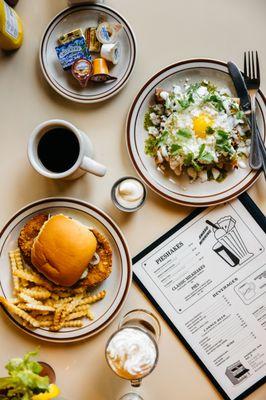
x,y
209,130
147,121
222,135
188,159
240,114
151,146
196,166
223,143
192,88
204,156
184,103
175,149
201,149
161,139
184,133
216,101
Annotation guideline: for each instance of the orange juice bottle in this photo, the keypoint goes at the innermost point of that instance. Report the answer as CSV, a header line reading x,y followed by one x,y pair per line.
x,y
11,30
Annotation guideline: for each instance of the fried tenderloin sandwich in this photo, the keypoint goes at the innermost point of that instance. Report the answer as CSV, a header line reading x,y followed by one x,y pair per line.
x,y
66,251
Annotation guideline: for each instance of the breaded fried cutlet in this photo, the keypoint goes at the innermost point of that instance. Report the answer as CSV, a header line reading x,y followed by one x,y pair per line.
x,y
98,273
28,233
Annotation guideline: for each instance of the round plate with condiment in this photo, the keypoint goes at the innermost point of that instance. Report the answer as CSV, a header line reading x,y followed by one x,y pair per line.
x,y
171,187
83,17
116,285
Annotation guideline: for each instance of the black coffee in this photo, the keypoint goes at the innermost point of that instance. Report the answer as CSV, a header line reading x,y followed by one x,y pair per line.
x,y
58,149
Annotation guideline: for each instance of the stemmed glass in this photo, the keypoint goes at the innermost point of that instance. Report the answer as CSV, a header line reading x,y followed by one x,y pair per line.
x,y
132,351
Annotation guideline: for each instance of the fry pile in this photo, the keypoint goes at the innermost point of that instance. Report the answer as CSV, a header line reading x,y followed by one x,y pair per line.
x,y
40,303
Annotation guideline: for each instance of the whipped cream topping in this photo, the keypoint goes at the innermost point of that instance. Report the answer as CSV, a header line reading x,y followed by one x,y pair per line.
x,y
131,353
129,193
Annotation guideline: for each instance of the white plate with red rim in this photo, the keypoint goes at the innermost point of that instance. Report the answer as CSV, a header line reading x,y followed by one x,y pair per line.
x,y
116,285
84,16
178,189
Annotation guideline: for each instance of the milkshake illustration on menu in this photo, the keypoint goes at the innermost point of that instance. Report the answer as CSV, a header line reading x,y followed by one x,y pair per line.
x,y
230,245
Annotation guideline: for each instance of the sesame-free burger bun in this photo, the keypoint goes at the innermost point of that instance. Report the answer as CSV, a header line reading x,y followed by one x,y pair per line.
x,y
63,249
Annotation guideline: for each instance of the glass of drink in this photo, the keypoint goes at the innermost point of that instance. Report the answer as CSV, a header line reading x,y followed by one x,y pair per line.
x,y
132,351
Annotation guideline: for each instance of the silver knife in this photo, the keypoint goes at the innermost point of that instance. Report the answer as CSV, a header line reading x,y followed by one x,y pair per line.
x,y
243,95
240,86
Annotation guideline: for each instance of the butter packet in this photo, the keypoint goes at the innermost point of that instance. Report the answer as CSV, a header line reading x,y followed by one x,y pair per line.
x,y
68,37
69,52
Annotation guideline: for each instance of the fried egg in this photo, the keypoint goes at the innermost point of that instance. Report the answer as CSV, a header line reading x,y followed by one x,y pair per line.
x,y
201,123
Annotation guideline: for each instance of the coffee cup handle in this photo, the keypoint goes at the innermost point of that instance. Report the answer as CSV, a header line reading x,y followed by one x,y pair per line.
x,y
92,166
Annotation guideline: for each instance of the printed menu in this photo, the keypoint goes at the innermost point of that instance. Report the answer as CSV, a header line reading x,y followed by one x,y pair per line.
x,y
207,277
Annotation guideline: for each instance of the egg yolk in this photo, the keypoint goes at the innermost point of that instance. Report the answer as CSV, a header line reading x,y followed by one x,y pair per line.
x,y
200,124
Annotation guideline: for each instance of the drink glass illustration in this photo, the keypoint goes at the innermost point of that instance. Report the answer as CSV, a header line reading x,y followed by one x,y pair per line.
x,y
132,351
230,245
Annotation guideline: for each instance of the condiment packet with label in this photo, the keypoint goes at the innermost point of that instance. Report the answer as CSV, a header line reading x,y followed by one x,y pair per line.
x,y
71,51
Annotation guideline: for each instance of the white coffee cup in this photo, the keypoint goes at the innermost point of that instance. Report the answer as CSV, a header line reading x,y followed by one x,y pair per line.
x,y
84,162
74,2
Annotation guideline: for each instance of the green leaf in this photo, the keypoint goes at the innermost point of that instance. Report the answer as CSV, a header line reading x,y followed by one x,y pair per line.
x,y
151,144
175,149
223,143
222,134
209,130
7,382
147,120
185,103
196,166
207,158
162,137
240,114
185,133
24,379
216,101
188,159
194,87
201,149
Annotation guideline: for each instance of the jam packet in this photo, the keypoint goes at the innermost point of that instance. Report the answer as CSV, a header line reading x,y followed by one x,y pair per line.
x,y
69,52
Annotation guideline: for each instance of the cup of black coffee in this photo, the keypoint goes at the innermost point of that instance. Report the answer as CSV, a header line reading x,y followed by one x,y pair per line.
x,y
59,150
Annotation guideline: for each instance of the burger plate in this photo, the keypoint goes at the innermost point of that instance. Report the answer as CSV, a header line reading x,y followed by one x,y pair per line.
x,y
116,286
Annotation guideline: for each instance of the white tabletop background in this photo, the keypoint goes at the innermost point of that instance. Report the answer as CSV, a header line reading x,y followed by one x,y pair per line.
x,y
166,31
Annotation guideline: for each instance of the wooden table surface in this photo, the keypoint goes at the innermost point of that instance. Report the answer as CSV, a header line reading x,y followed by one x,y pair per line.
x,y
167,31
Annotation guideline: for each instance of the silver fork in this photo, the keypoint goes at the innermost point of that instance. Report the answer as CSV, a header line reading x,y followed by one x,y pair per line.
x,y
252,79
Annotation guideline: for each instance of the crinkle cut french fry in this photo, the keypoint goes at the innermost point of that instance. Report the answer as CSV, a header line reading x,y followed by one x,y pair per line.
x,y
32,277
46,324
42,318
20,313
73,324
37,292
90,315
41,314
15,256
58,316
76,315
37,307
92,299
63,311
28,299
83,307
14,277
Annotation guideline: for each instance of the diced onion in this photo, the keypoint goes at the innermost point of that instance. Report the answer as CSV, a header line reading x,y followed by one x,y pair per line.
x,y
95,259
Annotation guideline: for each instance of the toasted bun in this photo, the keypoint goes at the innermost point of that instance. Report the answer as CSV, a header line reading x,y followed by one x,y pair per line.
x,y
63,249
